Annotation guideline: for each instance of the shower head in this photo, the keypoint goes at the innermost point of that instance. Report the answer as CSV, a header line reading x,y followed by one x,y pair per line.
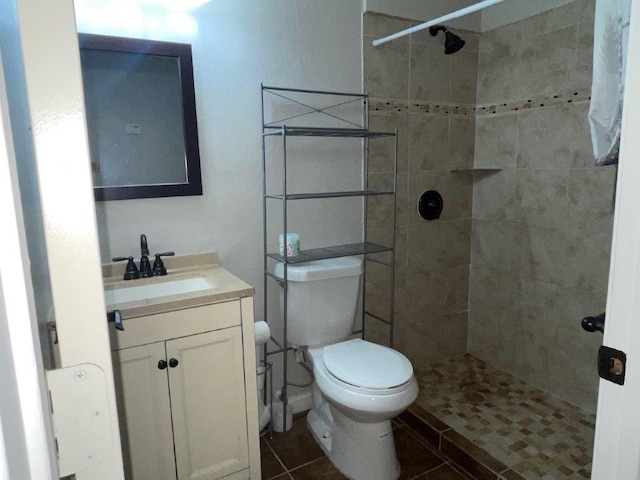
x,y
452,42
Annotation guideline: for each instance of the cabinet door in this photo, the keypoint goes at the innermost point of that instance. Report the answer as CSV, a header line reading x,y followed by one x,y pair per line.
x,y
208,404
144,411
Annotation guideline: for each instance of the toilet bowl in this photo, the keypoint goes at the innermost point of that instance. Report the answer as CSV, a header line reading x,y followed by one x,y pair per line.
x,y
359,387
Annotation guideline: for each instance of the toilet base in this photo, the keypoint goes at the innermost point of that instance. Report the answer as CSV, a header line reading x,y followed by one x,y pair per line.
x,y
360,451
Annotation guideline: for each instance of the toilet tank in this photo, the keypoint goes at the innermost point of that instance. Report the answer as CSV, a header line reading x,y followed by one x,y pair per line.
x,y
322,299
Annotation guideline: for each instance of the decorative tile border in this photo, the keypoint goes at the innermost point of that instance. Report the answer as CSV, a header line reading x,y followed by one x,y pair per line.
x,y
390,106
550,100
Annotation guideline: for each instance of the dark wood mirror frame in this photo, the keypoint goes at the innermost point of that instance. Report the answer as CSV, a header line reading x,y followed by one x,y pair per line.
x,y
193,185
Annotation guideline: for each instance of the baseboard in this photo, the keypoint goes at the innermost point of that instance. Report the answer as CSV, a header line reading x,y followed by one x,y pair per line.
x,y
300,402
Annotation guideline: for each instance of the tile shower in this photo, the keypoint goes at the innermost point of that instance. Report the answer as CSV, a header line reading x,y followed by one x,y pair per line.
x,y
521,252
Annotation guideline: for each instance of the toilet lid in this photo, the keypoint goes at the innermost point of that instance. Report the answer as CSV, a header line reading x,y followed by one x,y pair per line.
x,y
367,365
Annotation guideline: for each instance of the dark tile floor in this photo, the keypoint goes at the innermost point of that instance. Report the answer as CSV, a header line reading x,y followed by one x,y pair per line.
x,y
294,455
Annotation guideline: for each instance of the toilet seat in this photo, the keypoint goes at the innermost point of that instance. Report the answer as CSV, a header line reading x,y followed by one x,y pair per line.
x,y
366,366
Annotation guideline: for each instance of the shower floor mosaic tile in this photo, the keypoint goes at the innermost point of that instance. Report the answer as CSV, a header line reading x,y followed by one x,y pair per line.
x,y
528,430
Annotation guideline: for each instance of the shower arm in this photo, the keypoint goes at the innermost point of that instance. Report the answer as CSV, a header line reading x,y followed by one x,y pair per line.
x,y
450,16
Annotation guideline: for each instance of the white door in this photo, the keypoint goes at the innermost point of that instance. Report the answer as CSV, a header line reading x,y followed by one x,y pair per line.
x,y
617,438
43,34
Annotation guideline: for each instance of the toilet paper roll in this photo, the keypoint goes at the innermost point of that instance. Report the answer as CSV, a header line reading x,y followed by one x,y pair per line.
x,y
263,332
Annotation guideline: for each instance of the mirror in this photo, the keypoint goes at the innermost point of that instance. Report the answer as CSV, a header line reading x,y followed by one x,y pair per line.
x,y
141,117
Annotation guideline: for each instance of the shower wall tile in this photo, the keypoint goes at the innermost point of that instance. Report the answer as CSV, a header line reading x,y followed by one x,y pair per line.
x,y
380,212
492,290
492,244
430,72
402,251
380,207
434,245
377,25
579,137
591,198
564,16
377,273
552,56
378,299
381,150
498,65
376,332
428,142
543,308
462,137
436,337
472,40
541,253
496,141
432,293
492,335
464,76
541,196
494,195
588,255
386,68
544,138
583,73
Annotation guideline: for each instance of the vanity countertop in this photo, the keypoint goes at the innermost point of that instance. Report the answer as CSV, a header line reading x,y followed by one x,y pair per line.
x,y
224,286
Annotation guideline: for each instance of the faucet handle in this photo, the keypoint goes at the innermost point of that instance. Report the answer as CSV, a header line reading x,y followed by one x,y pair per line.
x,y
145,267
158,264
131,272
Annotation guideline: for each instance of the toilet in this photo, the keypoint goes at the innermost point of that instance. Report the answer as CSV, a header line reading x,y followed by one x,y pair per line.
x,y
359,386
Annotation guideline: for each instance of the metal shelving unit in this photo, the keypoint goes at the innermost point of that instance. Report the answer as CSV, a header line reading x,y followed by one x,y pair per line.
x,y
312,105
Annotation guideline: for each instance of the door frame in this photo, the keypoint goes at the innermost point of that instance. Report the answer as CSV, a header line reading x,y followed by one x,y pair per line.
x,y
53,85
617,436
26,438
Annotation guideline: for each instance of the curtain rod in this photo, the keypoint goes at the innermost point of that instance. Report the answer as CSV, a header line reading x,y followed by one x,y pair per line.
x,y
450,16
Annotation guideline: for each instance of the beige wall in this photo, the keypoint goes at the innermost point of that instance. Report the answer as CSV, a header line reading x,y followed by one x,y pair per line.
x,y
536,259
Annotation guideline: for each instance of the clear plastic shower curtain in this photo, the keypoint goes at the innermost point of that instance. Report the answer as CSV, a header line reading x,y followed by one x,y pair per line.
x,y
611,32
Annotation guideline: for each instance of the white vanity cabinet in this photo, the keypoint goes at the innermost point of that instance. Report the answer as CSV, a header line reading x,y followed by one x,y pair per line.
x,y
185,398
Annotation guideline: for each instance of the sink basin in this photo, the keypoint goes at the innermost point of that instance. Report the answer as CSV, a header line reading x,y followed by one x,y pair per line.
x,y
155,290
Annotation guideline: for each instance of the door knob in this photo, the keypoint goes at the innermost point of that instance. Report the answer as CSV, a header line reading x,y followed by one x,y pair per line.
x,y
591,324
173,363
162,364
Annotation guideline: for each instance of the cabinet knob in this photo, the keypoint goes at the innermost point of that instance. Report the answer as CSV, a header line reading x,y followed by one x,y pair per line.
x,y
162,364
173,362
